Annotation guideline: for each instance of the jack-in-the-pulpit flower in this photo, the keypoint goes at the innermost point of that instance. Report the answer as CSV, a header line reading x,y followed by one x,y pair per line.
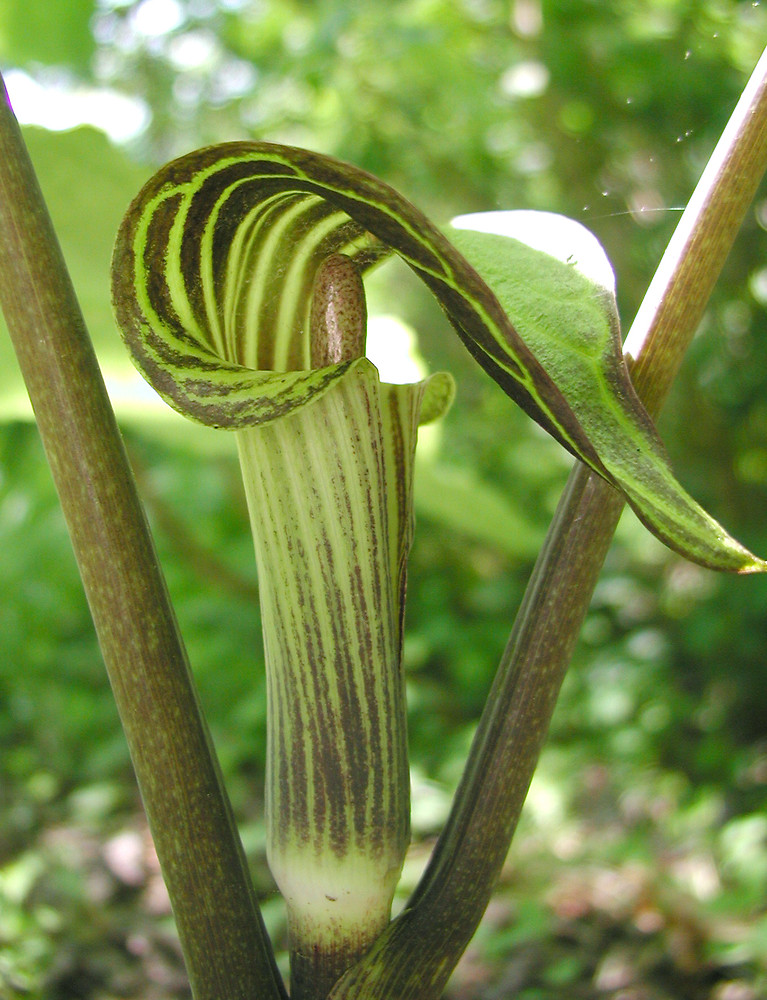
x,y
236,284
252,309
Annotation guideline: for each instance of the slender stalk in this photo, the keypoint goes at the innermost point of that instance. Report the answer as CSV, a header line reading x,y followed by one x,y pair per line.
x,y
678,294
225,944
416,956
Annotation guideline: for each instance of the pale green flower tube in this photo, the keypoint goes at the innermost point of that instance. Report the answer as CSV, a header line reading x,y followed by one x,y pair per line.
x,y
329,491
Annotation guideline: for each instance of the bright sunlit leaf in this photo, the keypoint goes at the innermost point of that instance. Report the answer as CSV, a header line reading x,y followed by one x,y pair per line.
x,y
555,284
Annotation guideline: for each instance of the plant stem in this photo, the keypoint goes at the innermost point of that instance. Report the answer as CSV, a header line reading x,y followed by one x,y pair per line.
x,y
415,957
679,291
225,944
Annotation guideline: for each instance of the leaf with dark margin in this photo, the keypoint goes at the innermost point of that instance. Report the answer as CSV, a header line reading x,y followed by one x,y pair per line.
x,y
570,323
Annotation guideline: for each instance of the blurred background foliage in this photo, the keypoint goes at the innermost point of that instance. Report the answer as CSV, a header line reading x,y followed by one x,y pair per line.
x,y
640,870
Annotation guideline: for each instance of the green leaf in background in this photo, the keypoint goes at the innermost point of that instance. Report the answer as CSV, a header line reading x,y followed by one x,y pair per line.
x,y
562,303
457,498
37,31
87,183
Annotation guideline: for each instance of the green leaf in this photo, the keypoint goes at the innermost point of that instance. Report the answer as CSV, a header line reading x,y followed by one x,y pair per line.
x,y
38,31
87,182
565,311
460,501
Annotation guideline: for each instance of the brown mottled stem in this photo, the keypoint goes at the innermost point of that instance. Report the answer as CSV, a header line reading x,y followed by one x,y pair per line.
x,y
224,941
416,956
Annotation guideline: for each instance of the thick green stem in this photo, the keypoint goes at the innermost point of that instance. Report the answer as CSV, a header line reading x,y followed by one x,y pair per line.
x,y
224,941
416,956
